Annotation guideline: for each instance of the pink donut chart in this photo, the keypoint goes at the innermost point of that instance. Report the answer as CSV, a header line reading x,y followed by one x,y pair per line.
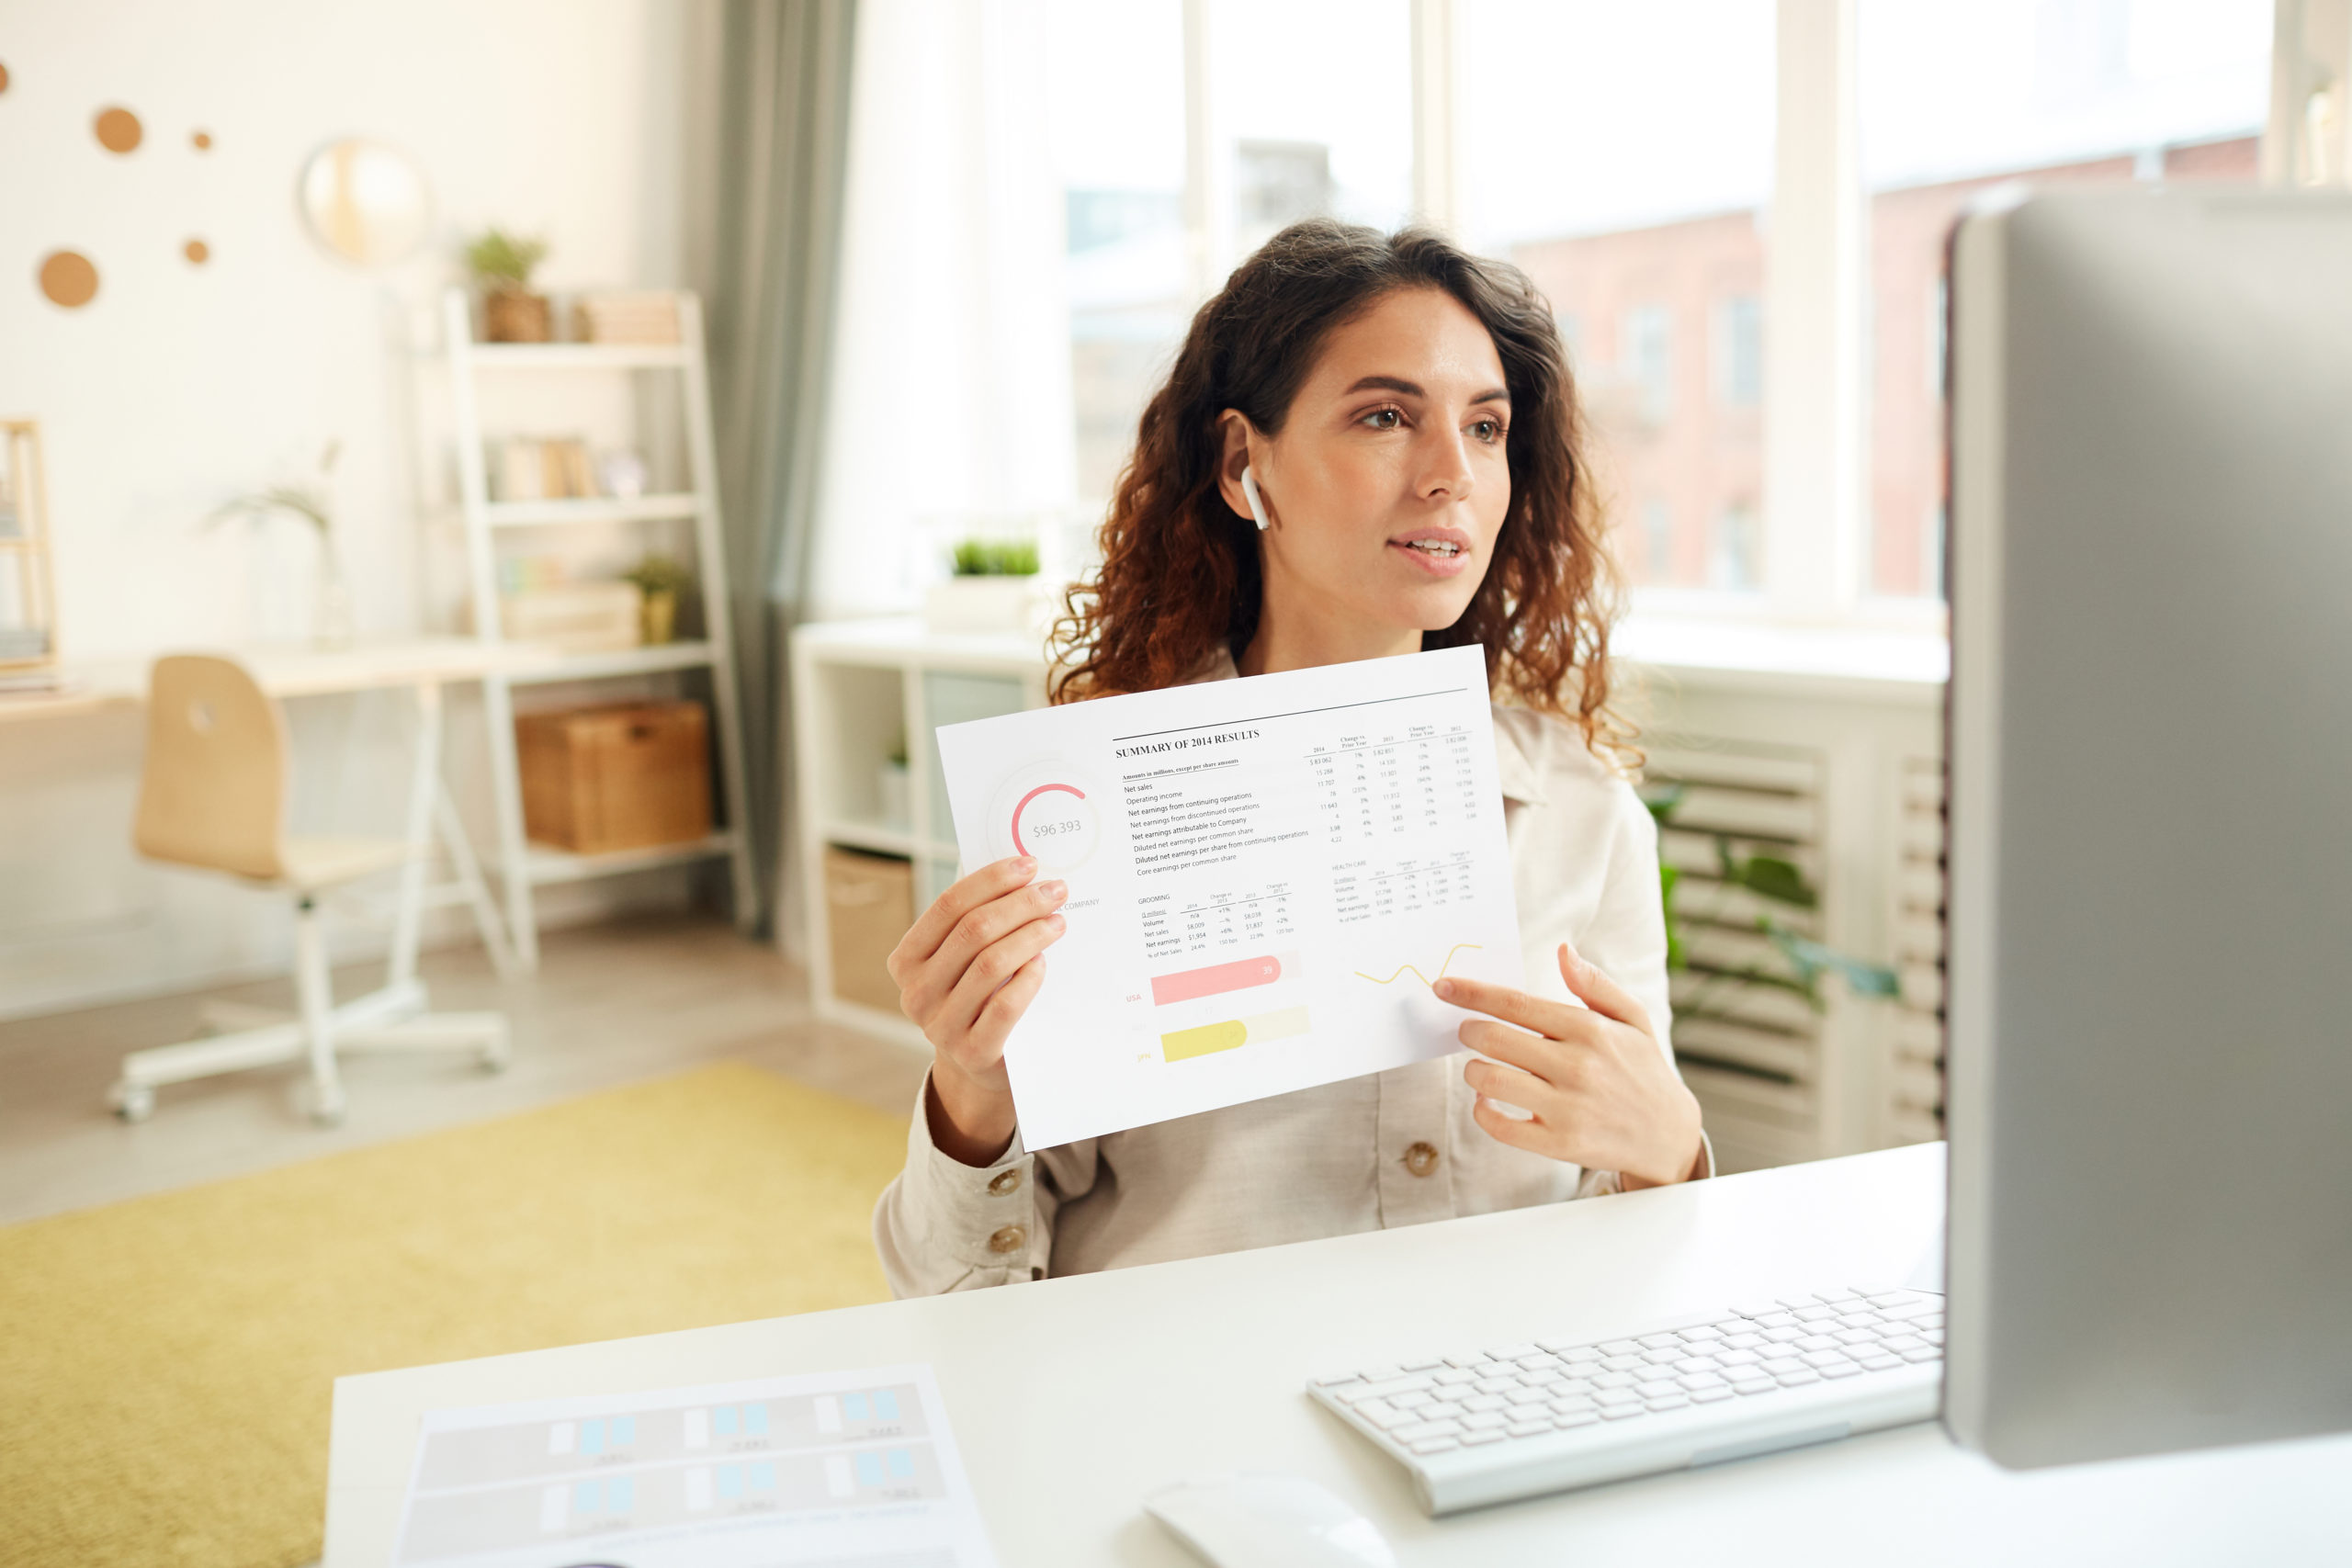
x,y
1018,846
1050,809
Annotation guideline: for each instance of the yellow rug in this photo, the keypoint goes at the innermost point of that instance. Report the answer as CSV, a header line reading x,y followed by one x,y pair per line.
x,y
167,1365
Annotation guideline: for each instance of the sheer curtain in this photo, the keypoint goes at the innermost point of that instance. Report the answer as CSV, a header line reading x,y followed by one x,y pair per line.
x,y
950,391
771,180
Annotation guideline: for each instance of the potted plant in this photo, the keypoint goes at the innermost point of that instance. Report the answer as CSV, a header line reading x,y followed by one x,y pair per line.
x,y
502,265
1775,881
313,503
894,783
660,579
994,588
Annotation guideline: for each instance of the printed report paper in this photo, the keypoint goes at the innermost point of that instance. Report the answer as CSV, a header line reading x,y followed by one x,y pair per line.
x,y
1266,877
824,1469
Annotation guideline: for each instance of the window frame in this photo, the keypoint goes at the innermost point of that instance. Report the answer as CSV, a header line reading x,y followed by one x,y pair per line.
x,y
1811,517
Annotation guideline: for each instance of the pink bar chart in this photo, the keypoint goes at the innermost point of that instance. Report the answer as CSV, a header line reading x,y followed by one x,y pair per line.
x,y
1215,980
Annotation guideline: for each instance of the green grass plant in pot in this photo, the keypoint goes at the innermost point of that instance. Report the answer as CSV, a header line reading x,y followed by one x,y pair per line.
x,y
996,557
660,579
993,590
502,265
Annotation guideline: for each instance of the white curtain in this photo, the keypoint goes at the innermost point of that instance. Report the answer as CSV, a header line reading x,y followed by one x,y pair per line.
x,y
950,388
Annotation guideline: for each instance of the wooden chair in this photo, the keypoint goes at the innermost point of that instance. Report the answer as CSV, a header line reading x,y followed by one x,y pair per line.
x,y
212,796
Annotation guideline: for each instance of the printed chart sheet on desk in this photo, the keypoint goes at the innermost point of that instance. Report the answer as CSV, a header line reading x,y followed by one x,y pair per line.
x,y
1266,877
839,1470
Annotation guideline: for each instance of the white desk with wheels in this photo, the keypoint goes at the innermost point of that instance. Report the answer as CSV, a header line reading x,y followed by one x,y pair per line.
x,y
1071,1399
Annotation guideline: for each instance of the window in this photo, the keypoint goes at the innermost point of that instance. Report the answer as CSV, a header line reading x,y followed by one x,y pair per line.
x,y
1278,182
1737,563
1571,326
1656,564
1622,155
1739,351
1955,99
1312,108
1645,362
1118,145
1284,144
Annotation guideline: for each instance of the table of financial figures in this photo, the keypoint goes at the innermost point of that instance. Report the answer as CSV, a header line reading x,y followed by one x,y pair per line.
x,y
1389,784
1176,924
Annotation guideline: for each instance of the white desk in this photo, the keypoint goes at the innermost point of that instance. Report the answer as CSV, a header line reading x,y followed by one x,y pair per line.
x,y
296,670
1072,1398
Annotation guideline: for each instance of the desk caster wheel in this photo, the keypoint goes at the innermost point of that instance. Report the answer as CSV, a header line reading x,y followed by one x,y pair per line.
x,y
326,1106
132,1102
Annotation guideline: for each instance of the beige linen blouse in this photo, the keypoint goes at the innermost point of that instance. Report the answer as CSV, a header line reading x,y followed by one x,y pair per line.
x,y
1391,1148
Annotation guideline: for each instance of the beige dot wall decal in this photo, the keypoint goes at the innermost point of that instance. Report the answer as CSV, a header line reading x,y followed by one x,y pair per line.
x,y
118,129
4,76
203,139
68,278
197,251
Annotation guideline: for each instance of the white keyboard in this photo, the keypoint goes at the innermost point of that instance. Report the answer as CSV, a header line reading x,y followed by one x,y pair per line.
x,y
1520,1420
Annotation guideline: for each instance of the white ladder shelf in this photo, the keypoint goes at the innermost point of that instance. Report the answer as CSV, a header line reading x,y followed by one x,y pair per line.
x,y
523,865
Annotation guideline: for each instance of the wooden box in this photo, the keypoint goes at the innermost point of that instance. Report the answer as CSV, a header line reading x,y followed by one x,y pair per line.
x,y
869,904
577,617
615,778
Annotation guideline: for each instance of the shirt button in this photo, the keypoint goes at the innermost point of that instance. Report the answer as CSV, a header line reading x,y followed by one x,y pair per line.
x,y
1009,1238
1420,1159
1005,1182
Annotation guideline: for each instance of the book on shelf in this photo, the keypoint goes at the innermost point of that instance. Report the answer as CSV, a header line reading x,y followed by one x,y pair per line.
x,y
23,642
649,317
531,469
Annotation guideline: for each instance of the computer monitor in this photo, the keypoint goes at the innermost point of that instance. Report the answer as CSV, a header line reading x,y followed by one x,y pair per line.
x,y
2150,894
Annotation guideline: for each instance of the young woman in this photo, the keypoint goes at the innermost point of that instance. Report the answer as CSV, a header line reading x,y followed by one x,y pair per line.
x,y
1407,417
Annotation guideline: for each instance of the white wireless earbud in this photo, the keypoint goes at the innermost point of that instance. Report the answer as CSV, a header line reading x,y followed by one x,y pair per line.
x,y
1249,493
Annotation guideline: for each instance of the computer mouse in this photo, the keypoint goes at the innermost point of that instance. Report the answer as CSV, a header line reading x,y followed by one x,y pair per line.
x,y
1260,1520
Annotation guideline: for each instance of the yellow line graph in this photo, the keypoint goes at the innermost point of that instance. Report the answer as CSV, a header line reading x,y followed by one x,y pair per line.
x,y
1417,973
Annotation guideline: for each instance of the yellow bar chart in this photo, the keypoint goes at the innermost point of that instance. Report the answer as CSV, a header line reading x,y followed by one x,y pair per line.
x,y
1207,1039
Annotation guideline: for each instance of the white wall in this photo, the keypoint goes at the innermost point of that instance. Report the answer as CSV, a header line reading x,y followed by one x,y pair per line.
x,y
180,385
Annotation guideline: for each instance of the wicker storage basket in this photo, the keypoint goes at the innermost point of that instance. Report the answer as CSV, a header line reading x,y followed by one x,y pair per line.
x,y
869,904
622,777
510,315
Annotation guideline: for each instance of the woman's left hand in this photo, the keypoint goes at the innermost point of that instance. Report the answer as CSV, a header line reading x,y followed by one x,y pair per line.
x,y
1603,1093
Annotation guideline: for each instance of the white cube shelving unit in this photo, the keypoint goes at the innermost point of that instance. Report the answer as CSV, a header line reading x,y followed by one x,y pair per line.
x,y
860,690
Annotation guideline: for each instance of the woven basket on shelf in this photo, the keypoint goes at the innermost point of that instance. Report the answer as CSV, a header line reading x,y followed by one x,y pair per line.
x,y
510,315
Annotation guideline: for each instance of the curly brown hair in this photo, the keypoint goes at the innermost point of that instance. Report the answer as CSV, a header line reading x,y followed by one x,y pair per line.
x,y
1181,572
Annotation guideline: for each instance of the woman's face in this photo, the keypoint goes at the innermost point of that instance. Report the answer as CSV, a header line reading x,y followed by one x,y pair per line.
x,y
1388,486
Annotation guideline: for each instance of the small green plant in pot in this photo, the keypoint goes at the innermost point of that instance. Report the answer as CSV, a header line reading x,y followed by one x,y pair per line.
x,y
502,265
893,784
660,579
1804,963
993,590
996,557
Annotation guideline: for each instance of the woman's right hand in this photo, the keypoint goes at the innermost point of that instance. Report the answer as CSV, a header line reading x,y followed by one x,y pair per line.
x,y
966,972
